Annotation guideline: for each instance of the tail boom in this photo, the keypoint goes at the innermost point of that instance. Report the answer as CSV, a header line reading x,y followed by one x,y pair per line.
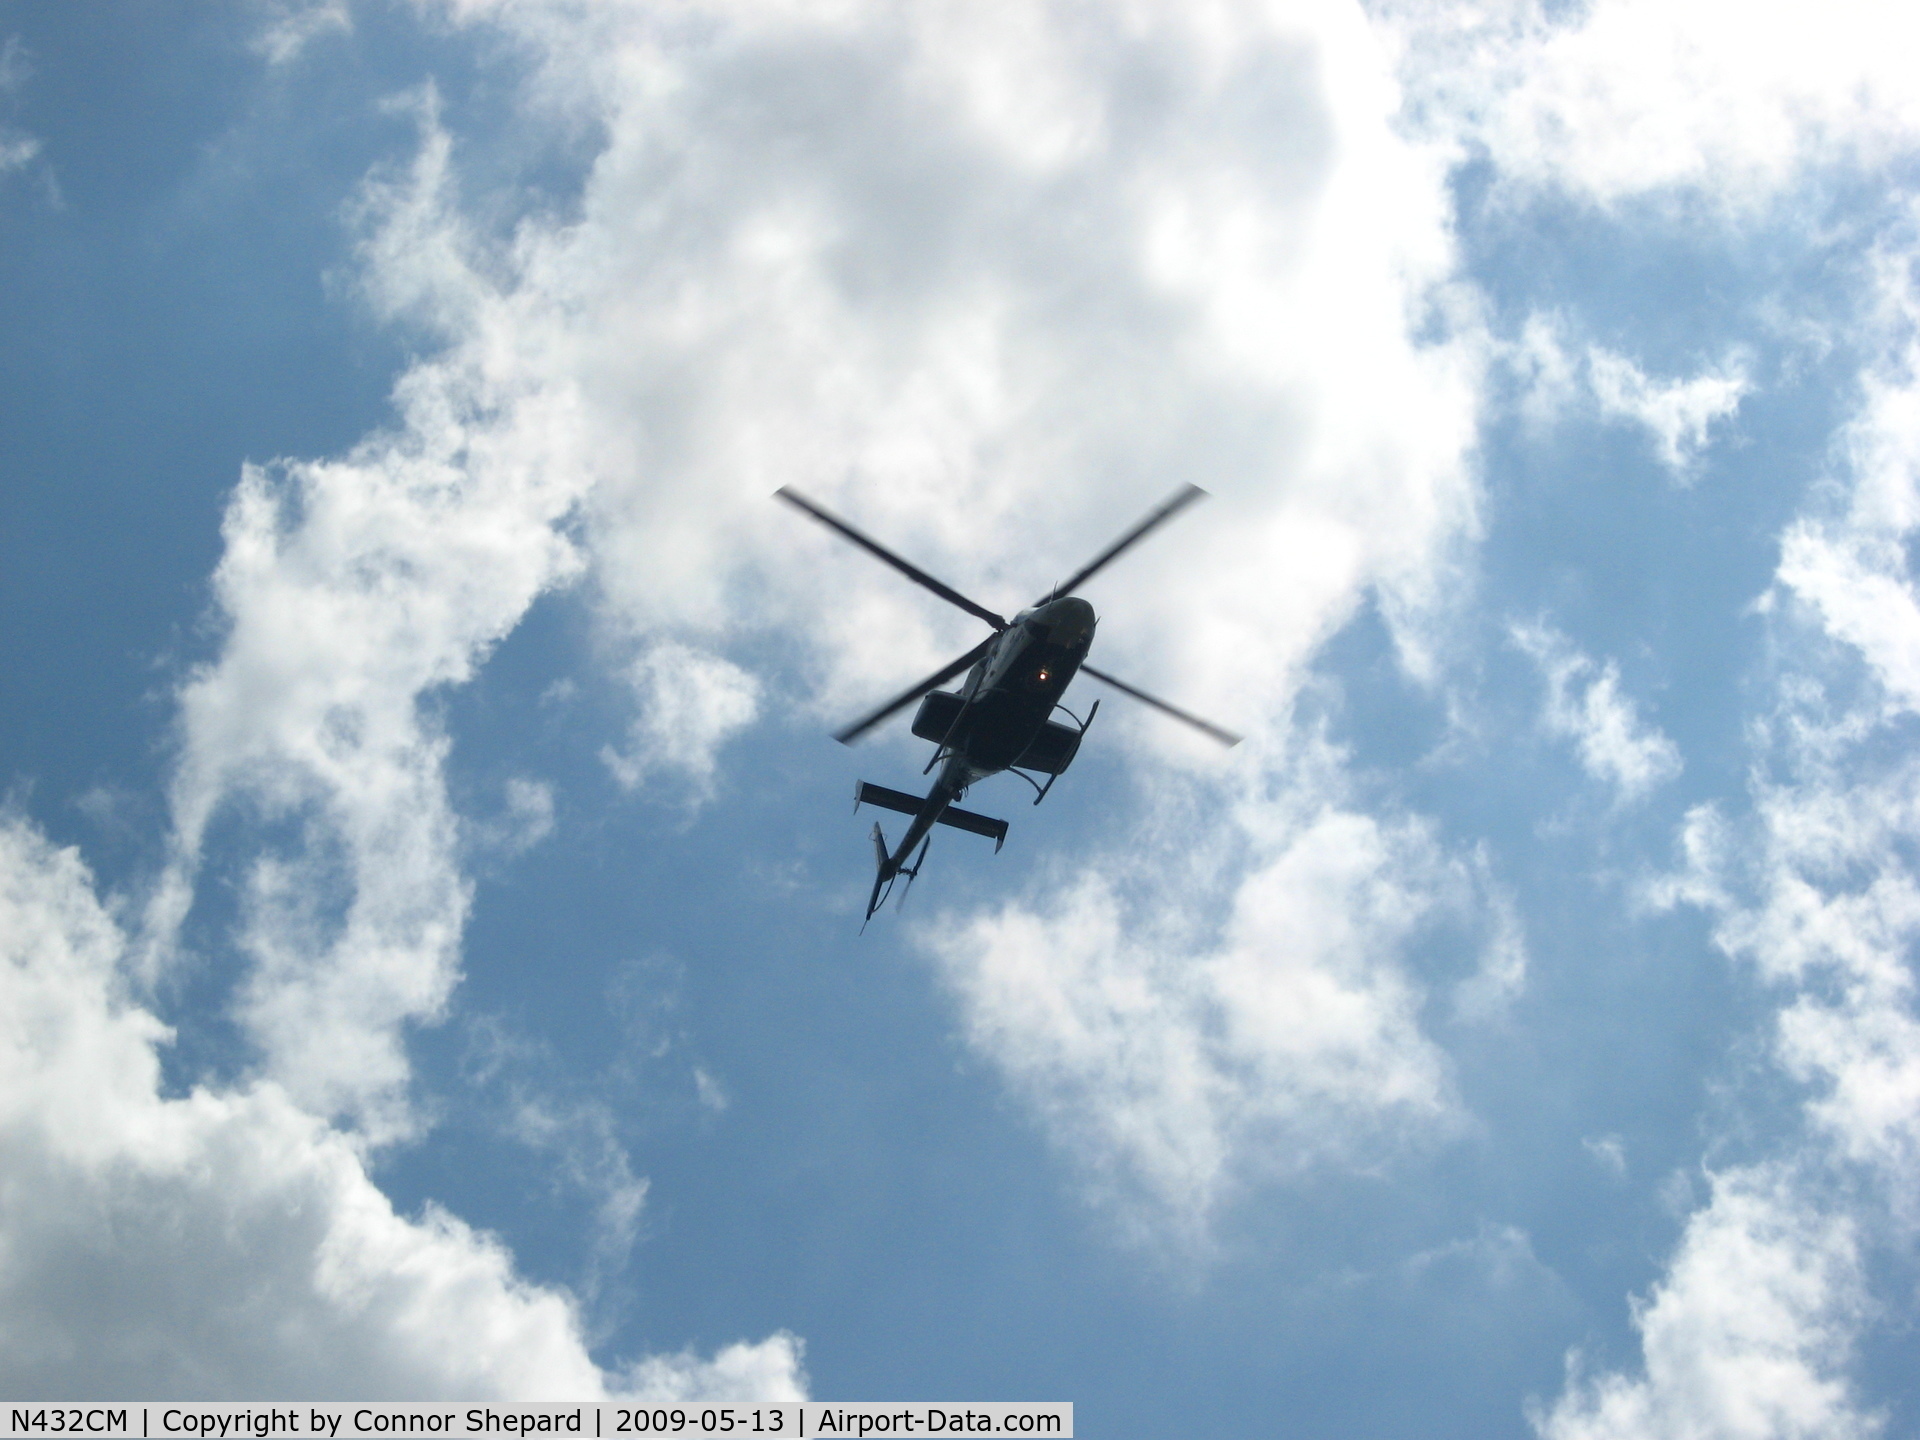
x,y
933,809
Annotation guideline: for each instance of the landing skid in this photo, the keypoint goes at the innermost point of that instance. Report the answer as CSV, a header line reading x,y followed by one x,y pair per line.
x,y
1042,789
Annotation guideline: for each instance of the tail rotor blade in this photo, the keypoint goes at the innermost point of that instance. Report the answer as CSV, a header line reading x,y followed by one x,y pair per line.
x,y
873,547
1205,727
914,692
1170,507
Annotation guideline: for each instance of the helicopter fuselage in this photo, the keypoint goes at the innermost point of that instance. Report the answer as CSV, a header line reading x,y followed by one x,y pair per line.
x,y
1000,718
1016,685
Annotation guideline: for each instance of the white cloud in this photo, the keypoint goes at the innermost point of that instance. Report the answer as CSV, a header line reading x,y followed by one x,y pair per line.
x,y
591,1159
1851,566
1869,605
689,704
525,820
1179,1066
16,65
1748,1333
1609,1153
349,590
286,27
1701,879
994,342
1585,705
1863,1055
990,285
1619,98
1677,413
1547,369
769,1370
228,1243
1502,972
17,148
1752,1329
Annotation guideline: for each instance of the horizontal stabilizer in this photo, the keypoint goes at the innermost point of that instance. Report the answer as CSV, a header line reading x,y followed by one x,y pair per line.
x,y
865,794
868,794
994,830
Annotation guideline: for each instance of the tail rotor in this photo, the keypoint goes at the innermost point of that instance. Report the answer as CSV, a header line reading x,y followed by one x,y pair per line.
x,y
913,874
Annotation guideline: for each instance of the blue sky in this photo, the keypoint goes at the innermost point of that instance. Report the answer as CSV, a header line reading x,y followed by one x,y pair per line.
x,y
427,882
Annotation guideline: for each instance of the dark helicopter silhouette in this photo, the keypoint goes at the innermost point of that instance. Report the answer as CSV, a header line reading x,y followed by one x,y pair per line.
x,y
1001,718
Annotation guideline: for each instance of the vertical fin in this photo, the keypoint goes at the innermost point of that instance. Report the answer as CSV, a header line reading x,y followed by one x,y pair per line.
x,y
885,873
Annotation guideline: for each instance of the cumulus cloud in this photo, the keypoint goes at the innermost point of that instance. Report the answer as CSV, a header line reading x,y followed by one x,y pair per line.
x,y
990,286
993,340
1855,1039
688,704
1676,413
1700,99
972,278
947,329
1850,565
349,590
1702,876
1679,415
1585,705
1747,1334
1178,1065
1868,604
1752,1329
228,1242
949,275
769,1370
1753,1326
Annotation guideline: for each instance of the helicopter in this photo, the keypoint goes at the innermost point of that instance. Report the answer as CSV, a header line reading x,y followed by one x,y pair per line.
x,y
1001,717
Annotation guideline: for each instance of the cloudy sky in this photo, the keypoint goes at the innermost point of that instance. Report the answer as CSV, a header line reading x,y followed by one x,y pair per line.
x,y
429,896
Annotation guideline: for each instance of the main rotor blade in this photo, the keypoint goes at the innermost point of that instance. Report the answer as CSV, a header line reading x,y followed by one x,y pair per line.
x,y
1225,737
1181,498
875,548
906,697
